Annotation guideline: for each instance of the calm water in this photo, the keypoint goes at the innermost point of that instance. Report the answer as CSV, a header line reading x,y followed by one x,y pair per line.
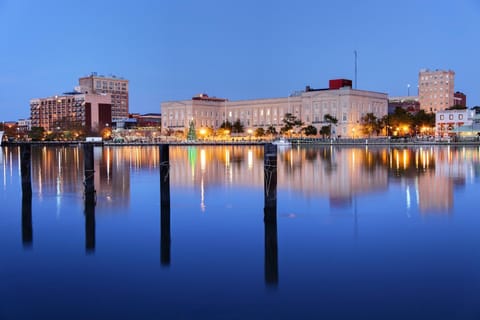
x,y
370,233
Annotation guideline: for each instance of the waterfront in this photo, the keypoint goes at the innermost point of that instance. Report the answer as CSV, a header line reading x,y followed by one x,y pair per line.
x,y
362,232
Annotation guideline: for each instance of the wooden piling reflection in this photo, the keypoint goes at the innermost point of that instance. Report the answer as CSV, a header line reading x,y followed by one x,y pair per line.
x,y
165,240
270,214
25,171
27,228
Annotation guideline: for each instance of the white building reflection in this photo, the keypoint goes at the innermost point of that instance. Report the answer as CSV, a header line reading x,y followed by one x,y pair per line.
x,y
427,176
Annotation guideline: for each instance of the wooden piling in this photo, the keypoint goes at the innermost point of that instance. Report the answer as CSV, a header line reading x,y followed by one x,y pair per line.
x,y
25,168
164,175
270,214
165,240
90,196
270,176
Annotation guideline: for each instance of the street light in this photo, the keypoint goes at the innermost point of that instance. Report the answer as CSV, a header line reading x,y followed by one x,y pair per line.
x,y
250,131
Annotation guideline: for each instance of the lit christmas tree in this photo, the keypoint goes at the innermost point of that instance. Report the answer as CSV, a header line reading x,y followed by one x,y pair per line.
x,y
191,136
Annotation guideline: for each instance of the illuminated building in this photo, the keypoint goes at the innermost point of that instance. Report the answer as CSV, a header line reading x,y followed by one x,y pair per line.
x,y
115,87
310,106
450,122
92,111
436,89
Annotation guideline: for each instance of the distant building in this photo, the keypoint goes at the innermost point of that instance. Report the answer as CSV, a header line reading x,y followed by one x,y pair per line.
x,y
310,106
148,119
436,89
91,111
460,99
407,103
452,122
124,123
116,87
24,125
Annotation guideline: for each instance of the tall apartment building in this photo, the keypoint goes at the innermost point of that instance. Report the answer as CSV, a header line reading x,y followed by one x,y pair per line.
x,y
436,89
310,106
91,111
115,86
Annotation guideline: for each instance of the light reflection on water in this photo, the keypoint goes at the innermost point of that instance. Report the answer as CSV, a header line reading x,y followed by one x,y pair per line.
x,y
392,225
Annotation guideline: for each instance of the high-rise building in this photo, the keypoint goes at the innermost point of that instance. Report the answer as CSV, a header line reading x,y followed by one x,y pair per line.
x,y
117,88
436,89
71,110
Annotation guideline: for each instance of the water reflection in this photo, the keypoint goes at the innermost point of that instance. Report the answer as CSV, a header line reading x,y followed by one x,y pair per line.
x,y
27,228
312,254
427,176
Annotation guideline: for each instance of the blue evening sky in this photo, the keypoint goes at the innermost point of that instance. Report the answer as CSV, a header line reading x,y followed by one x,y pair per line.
x,y
235,49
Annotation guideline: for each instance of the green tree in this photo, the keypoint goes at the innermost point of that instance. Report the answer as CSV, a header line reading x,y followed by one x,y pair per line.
x,y
36,133
259,132
456,107
370,124
423,119
226,125
289,122
310,130
331,120
400,120
271,130
325,131
237,126
192,135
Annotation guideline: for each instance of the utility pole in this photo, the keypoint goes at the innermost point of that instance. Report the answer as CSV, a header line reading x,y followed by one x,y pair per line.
x,y
355,52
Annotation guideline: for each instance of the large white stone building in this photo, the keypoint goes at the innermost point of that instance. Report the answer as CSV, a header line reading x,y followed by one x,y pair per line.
x,y
310,106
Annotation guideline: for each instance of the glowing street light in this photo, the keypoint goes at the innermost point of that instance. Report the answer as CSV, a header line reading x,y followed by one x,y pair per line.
x,y
250,132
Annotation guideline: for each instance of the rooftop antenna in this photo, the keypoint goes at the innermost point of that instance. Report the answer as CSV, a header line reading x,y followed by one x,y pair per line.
x,y
355,52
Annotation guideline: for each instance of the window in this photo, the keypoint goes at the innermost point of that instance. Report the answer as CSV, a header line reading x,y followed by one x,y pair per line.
x,y
450,117
460,116
441,117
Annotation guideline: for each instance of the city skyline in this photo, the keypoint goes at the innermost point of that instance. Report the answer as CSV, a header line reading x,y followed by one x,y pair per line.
x,y
249,50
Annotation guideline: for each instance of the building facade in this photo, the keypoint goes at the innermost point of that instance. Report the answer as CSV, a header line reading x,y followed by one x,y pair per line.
x,y
24,125
91,111
407,103
116,87
436,89
148,119
310,106
460,99
449,122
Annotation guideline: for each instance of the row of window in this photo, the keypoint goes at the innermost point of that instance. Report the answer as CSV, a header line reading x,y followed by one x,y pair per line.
x,y
450,117
434,77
